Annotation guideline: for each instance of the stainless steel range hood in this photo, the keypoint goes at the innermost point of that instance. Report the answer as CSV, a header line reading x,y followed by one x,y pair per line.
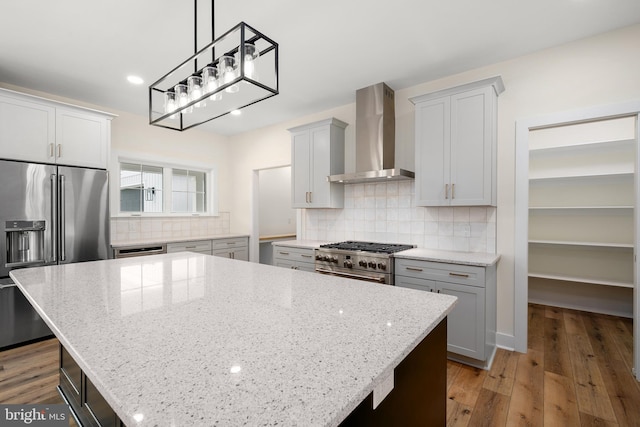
x,y
375,138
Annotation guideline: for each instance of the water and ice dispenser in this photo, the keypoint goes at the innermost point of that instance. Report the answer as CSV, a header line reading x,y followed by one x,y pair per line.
x,y
25,242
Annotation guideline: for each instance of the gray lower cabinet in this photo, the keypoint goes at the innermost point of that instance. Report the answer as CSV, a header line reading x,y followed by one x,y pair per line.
x,y
295,258
471,333
234,248
89,407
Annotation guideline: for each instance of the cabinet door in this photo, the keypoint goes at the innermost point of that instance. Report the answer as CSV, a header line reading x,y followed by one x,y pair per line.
x,y
241,254
466,322
413,283
320,167
432,152
27,130
81,139
301,158
471,148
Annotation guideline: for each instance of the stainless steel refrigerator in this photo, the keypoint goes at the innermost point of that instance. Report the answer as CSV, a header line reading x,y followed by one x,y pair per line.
x,y
48,215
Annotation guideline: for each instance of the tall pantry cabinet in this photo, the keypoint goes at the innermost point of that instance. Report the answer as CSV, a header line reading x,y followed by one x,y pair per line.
x,y
456,145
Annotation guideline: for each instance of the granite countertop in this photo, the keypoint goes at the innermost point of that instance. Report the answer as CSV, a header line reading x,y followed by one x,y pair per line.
x,y
453,257
307,244
189,339
158,241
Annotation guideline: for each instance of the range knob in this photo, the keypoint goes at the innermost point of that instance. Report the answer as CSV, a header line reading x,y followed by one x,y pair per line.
x,y
362,263
326,258
333,260
348,264
372,264
382,266
318,257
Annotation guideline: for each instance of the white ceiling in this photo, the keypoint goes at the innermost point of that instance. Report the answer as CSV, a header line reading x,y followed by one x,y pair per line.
x,y
328,49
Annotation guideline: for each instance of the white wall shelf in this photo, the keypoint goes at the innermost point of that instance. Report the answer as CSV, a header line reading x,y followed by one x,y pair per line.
x,y
581,280
578,243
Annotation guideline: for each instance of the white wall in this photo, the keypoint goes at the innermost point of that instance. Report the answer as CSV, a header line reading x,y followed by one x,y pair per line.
x,y
599,70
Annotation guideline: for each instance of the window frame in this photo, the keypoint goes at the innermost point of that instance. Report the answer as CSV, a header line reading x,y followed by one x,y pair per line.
x,y
211,188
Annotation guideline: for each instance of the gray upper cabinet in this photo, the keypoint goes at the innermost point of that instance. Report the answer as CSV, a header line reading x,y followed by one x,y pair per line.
x,y
456,145
38,130
317,151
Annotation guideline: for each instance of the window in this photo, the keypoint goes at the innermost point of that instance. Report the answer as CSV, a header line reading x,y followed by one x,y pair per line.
x,y
188,190
140,188
164,189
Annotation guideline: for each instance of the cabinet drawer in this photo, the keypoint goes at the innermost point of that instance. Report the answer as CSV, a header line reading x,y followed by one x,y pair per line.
x,y
438,271
230,243
203,246
293,254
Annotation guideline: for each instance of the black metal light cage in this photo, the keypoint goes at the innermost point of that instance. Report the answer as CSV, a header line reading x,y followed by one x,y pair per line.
x,y
264,83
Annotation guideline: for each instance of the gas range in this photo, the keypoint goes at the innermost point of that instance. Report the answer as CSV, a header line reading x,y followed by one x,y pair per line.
x,y
368,261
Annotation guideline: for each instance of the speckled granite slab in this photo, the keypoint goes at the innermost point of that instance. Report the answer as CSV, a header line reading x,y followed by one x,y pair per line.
x,y
453,257
193,340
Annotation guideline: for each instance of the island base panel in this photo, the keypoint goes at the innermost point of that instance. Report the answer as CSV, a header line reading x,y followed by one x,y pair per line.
x,y
420,389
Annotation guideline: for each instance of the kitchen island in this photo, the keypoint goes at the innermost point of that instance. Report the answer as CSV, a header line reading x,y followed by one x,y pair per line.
x,y
189,339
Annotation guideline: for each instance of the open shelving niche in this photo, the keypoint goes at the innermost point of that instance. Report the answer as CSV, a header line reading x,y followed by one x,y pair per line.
x,y
581,215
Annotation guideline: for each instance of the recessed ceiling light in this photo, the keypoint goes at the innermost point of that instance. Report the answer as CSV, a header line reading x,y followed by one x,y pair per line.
x,y
135,80
236,112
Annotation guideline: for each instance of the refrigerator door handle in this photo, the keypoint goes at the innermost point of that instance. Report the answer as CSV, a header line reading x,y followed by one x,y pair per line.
x,y
62,220
53,225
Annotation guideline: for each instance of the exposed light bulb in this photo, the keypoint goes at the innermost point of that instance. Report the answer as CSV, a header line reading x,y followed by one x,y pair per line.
x,y
250,55
211,82
194,83
170,103
229,73
182,97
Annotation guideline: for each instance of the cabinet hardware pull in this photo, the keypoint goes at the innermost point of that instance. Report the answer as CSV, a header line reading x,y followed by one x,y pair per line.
x,y
231,243
50,150
306,256
189,247
458,275
310,196
284,253
438,291
453,191
446,191
414,269
59,150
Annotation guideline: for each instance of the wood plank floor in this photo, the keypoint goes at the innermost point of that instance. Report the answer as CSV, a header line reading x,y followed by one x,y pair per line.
x,y
577,372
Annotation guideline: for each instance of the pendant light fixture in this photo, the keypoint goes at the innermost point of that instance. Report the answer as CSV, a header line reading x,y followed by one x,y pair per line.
x,y
234,71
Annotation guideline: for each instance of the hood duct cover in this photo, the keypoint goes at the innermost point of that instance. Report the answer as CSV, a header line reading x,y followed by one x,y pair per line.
x,y
375,138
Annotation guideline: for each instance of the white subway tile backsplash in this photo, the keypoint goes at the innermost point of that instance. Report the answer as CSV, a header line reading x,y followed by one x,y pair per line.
x,y
134,229
386,212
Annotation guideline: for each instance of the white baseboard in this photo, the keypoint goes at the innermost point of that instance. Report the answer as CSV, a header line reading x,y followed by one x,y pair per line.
x,y
504,341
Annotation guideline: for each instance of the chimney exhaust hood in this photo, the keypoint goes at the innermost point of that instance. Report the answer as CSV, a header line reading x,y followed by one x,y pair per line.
x,y
375,138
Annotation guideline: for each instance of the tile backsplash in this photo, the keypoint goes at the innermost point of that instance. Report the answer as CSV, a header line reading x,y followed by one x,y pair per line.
x,y
132,229
386,212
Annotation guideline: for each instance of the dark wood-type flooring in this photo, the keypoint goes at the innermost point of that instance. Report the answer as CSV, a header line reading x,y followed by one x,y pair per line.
x,y
577,372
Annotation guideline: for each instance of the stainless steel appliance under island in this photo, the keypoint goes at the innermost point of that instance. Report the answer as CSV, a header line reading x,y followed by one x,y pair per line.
x,y
189,339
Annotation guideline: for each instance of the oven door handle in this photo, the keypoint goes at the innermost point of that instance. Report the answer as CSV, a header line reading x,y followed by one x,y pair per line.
x,y
350,276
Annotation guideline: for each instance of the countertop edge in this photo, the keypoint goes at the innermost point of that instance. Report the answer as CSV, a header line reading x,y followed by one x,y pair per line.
x,y
118,244
479,259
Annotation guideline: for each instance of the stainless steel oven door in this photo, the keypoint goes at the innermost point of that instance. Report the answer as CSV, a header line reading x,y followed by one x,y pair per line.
x,y
376,278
